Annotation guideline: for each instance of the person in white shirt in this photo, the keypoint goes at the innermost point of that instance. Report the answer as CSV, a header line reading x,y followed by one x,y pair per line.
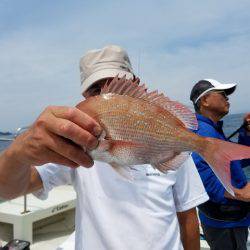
x,y
154,211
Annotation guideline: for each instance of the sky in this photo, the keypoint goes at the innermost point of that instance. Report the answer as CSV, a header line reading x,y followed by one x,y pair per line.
x,y
172,45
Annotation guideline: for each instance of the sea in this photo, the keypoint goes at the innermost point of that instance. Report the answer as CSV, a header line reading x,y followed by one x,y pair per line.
x,y
231,123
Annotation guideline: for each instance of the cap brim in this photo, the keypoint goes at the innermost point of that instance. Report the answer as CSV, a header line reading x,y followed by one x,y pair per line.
x,y
229,88
102,74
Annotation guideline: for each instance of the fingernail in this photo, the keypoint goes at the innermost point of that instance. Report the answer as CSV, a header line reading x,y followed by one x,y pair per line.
x,y
97,131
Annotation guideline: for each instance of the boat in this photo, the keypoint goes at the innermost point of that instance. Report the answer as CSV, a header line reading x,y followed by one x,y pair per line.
x,y
47,224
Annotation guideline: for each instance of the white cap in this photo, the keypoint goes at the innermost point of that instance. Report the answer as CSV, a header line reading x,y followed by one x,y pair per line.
x,y
98,64
204,86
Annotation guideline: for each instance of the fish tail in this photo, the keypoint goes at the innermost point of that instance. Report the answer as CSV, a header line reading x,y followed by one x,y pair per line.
x,y
218,154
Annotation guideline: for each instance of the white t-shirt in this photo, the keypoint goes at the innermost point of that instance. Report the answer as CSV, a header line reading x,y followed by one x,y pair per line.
x,y
113,213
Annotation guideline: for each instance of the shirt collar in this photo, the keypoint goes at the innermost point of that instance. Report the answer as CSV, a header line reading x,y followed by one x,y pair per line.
x,y
218,125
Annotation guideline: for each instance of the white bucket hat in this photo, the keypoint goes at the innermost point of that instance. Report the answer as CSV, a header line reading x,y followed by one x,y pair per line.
x,y
98,64
204,86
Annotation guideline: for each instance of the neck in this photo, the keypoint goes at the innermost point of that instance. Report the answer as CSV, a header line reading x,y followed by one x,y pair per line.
x,y
211,115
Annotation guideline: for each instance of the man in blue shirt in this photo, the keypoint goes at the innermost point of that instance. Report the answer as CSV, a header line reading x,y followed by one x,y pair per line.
x,y
224,218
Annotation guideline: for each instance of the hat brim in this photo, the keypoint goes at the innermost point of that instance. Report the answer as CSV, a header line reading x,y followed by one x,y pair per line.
x,y
102,74
229,88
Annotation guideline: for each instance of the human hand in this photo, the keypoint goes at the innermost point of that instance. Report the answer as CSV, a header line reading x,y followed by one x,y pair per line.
x,y
243,194
247,121
60,135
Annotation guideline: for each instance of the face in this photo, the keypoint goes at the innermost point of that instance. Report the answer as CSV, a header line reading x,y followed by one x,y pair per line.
x,y
216,102
95,89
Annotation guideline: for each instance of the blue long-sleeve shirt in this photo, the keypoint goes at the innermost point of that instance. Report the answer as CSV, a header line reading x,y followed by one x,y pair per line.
x,y
211,183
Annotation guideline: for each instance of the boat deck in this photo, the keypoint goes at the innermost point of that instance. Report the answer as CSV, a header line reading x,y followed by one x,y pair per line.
x,y
48,222
56,227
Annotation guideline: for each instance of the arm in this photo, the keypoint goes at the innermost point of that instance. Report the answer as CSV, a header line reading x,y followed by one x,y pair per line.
x,y
60,135
189,229
242,194
16,179
35,182
213,186
244,138
188,193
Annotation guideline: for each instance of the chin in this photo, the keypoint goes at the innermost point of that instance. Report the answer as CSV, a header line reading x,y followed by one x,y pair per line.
x,y
226,112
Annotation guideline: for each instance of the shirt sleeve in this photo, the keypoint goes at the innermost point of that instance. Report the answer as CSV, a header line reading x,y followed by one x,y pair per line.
x,y
188,190
210,181
53,175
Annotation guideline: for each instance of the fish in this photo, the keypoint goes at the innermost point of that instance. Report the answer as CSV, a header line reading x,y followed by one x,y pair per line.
x,y
142,127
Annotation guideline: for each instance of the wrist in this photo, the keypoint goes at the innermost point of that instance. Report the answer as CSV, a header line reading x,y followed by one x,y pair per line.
x,y
243,193
14,176
11,157
238,194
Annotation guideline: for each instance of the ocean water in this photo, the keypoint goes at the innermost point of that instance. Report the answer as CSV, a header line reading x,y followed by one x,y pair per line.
x,y
231,123
4,144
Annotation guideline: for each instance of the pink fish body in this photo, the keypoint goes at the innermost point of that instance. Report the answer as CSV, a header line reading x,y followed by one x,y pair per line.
x,y
148,128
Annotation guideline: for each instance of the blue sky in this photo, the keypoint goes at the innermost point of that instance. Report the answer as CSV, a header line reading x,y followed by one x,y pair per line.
x,y
172,45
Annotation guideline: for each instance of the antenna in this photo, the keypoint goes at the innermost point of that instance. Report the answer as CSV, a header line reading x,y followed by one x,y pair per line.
x,y
139,63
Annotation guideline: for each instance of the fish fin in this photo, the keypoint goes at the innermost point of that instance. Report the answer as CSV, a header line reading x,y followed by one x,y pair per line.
x,y
173,163
122,86
124,171
218,154
183,113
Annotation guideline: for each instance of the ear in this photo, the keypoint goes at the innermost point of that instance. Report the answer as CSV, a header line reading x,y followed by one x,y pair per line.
x,y
204,101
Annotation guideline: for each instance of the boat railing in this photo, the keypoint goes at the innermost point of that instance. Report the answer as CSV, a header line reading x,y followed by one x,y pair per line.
x,y
16,133
6,139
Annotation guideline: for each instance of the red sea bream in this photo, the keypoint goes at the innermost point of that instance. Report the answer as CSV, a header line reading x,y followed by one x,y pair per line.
x,y
143,127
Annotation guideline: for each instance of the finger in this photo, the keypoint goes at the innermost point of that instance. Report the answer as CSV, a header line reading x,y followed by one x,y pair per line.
x,y
69,151
78,117
56,158
69,130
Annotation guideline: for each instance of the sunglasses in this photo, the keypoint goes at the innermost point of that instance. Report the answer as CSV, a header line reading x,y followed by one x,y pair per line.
x,y
221,92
